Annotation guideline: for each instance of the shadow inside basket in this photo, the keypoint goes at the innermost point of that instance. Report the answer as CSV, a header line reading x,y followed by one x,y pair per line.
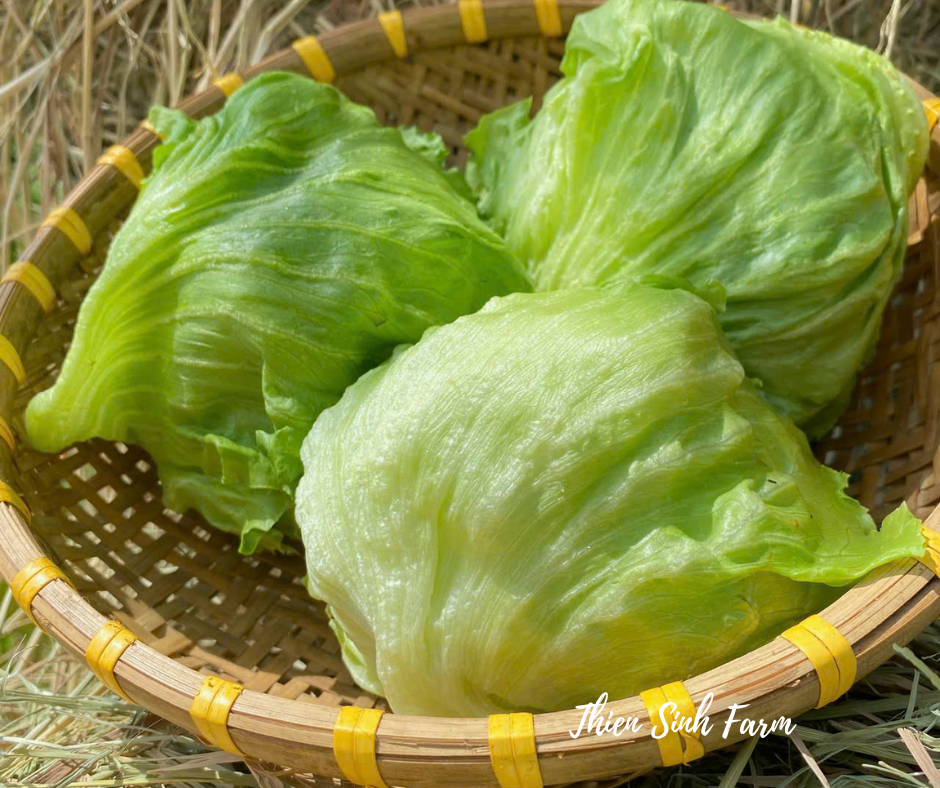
x,y
183,588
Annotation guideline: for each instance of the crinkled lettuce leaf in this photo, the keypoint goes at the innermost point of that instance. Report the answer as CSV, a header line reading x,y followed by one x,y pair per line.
x,y
280,248
565,494
432,147
682,141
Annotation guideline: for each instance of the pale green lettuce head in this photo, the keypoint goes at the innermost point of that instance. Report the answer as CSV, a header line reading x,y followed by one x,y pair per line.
x,y
775,160
281,248
565,494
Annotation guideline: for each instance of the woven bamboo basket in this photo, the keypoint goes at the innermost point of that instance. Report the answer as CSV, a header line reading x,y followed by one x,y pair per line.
x,y
233,648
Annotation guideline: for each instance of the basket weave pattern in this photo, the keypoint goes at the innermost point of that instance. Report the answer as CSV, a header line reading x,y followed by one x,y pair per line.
x,y
184,590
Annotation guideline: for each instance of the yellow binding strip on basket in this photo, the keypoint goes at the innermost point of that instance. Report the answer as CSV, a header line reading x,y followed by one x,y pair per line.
x,y
229,83
512,750
34,280
148,126
394,31
472,21
549,17
7,434
210,709
315,58
830,653
931,557
8,494
32,579
104,651
65,220
675,747
354,745
125,162
11,358
932,109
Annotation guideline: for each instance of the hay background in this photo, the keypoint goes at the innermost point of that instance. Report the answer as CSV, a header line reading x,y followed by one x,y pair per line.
x,y
75,77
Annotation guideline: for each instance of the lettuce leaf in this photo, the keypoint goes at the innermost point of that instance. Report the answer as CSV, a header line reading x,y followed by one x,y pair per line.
x,y
279,249
777,161
565,494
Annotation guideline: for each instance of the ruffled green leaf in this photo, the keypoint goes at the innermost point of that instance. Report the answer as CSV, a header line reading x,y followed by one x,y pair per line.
x,y
774,160
280,248
566,494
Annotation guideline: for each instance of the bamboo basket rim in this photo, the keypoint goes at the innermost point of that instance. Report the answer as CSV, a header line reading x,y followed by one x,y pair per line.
x,y
891,605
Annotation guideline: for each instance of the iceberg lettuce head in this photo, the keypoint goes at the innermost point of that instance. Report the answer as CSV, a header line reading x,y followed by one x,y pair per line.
x,y
564,494
775,160
280,248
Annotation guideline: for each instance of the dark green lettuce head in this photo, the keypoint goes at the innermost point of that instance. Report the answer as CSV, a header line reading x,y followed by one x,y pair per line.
x,y
280,248
775,160
565,494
